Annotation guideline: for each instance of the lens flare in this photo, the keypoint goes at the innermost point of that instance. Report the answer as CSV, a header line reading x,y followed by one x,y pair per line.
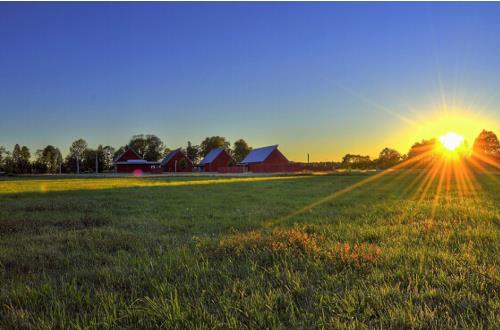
x,y
451,140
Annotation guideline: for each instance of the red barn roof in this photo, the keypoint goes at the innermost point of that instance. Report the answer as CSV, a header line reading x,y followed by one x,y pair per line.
x,y
259,155
128,154
170,155
211,156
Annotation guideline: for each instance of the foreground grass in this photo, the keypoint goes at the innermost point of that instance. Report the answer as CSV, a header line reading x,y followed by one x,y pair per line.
x,y
198,253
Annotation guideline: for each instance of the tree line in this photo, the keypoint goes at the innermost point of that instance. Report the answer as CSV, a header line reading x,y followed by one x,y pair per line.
x,y
486,145
83,159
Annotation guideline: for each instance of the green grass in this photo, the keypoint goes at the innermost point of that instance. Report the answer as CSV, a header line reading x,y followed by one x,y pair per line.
x,y
234,253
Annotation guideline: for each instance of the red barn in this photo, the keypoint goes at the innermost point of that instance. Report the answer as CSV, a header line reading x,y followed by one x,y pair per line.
x,y
215,159
130,162
176,161
266,159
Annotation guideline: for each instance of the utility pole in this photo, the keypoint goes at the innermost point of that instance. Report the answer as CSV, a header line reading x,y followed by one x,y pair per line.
x,y
77,164
308,158
96,164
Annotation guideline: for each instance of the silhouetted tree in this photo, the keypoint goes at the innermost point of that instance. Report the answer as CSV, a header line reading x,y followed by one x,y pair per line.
x,y
69,164
97,159
357,162
48,160
76,153
3,156
486,144
387,158
240,150
9,165
39,167
213,142
149,147
21,159
193,152
107,155
89,157
425,147
16,153
425,151
138,143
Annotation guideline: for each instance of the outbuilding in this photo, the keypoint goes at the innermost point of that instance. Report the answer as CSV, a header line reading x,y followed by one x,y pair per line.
x,y
215,159
176,161
266,159
131,162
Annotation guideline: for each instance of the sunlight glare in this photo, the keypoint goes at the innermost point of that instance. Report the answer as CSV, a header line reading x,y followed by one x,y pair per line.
x,y
451,140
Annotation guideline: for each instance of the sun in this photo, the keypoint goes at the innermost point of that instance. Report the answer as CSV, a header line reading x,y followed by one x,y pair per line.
x,y
451,140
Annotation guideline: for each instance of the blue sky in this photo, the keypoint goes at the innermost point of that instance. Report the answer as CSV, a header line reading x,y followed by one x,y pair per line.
x,y
318,78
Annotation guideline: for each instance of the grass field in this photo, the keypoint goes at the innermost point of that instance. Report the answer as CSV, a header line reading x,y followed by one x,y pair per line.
x,y
269,252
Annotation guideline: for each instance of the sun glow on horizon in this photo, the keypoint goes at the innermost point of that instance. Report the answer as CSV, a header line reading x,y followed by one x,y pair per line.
x,y
439,123
451,141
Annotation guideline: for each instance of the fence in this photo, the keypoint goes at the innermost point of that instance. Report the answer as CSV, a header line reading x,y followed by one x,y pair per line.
x,y
232,169
275,168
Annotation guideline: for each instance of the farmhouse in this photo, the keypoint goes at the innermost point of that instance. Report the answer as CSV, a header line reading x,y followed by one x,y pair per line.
x,y
130,162
176,161
266,159
215,159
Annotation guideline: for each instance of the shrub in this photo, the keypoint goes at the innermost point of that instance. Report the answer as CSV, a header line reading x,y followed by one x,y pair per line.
x,y
296,241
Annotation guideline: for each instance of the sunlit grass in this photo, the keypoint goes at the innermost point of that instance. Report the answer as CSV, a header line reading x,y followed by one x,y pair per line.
x,y
68,184
402,249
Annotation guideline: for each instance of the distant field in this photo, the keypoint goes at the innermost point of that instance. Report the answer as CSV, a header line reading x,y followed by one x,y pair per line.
x,y
267,252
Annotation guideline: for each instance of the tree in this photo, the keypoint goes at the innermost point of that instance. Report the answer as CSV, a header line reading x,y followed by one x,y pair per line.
x,y
193,152
150,147
76,152
48,160
9,165
16,153
38,166
213,142
108,156
357,161
21,159
425,147
487,144
154,148
25,153
89,157
240,150
138,143
424,151
388,157
99,159
3,156
69,164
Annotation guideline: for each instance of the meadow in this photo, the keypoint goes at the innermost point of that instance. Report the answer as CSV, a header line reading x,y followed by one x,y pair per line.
x,y
346,251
